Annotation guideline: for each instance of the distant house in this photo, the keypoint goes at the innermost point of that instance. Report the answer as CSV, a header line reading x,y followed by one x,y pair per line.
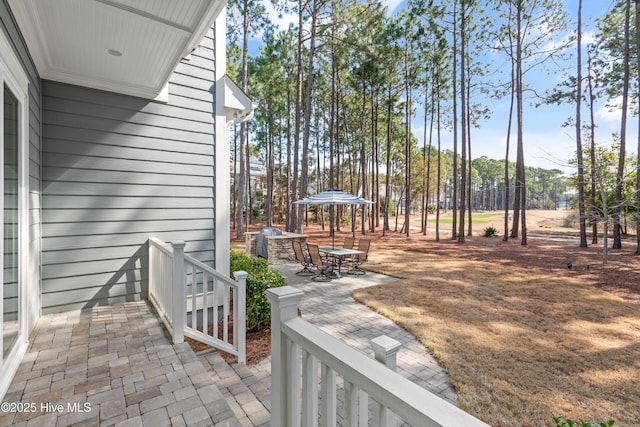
x,y
257,172
115,117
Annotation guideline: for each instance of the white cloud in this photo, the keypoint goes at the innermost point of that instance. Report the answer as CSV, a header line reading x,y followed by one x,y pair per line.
x,y
609,113
391,5
280,20
588,37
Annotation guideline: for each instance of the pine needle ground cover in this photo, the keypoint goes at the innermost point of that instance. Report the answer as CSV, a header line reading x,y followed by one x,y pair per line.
x,y
521,345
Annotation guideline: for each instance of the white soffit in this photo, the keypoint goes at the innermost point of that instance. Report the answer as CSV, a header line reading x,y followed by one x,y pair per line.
x,y
237,104
78,41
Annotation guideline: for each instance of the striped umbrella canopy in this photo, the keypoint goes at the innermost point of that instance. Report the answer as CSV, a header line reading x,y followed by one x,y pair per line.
x,y
333,196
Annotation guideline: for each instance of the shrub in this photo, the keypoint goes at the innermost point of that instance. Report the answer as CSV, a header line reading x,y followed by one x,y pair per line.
x,y
345,220
572,220
490,231
571,423
432,208
260,278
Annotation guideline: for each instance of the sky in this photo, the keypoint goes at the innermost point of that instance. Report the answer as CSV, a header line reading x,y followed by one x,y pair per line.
x,y
547,144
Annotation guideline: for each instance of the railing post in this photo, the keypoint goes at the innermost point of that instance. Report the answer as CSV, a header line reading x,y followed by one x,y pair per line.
x,y
179,292
240,316
284,306
385,351
150,266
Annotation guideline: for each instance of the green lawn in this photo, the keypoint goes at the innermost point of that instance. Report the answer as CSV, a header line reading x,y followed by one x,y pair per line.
x,y
481,218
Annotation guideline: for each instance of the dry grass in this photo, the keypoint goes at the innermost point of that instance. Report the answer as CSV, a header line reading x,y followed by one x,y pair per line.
x,y
520,345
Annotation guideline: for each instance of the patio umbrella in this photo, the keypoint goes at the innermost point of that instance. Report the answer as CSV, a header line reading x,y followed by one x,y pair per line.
x,y
332,197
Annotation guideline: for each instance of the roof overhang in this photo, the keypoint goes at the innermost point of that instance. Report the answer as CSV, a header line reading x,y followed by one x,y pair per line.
x,y
237,104
124,46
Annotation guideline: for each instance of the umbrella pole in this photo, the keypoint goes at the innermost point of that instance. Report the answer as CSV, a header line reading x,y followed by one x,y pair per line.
x,y
332,220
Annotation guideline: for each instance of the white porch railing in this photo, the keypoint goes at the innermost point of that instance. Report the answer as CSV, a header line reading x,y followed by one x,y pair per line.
x,y
195,300
306,364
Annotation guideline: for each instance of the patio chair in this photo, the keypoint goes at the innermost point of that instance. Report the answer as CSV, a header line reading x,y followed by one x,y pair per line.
x,y
349,242
358,260
305,261
321,265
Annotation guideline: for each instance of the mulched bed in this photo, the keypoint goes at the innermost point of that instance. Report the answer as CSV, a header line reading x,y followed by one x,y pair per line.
x,y
258,344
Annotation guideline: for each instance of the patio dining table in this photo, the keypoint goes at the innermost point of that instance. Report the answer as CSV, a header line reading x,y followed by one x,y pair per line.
x,y
339,255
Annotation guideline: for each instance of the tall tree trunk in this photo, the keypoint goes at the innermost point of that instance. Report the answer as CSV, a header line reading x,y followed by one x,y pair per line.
x,y
289,190
428,189
247,164
363,157
333,119
240,201
470,163
407,154
307,111
463,110
425,178
637,4
270,167
593,208
235,176
617,209
507,195
439,178
387,180
243,129
337,177
581,202
375,169
296,222
520,170
454,216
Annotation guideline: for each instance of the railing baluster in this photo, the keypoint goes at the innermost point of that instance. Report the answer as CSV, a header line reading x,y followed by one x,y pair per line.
x,y
328,397
240,316
351,397
168,284
234,309
205,304
293,383
309,390
225,319
216,303
363,409
194,303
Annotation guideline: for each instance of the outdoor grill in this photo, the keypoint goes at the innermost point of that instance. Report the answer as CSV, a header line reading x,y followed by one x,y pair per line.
x,y
262,243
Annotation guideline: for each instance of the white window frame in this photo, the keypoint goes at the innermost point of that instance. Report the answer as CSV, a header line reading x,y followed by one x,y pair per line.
x,y
13,75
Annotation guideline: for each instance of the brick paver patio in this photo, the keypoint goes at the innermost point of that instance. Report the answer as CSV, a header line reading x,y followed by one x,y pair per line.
x,y
112,366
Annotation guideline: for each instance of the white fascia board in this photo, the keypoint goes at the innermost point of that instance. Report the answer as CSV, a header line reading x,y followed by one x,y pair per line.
x,y
238,105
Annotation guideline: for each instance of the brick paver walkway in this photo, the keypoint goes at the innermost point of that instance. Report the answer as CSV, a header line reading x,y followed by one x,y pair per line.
x,y
330,306
112,366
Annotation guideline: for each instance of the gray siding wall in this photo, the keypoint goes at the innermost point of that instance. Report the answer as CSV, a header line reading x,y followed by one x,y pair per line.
x,y
11,31
117,169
